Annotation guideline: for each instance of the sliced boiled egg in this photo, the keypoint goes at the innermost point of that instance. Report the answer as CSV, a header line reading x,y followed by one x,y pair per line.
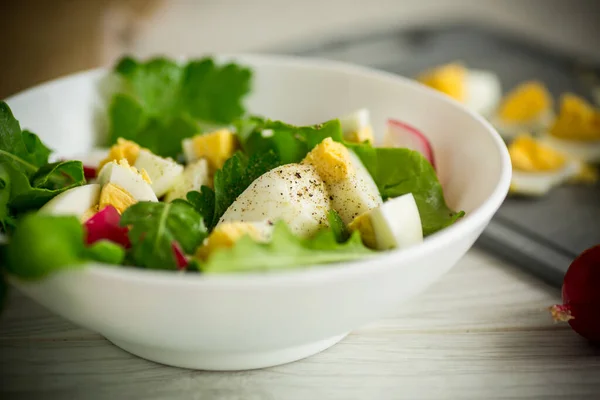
x,y
217,147
351,188
194,176
225,235
293,193
478,90
526,108
123,184
80,201
356,127
163,172
394,224
538,168
576,130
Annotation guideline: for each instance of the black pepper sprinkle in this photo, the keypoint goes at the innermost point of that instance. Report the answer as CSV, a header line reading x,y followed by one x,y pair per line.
x,y
298,175
330,197
310,195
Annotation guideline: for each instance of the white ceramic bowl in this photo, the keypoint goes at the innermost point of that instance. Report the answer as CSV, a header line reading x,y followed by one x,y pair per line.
x,y
239,322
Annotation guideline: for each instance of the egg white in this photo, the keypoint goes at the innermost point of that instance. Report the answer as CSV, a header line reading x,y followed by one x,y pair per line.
x,y
76,201
540,183
127,179
397,223
483,91
293,193
587,151
163,172
193,177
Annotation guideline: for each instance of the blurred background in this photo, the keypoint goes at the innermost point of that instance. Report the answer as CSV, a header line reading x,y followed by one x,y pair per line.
x,y
48,38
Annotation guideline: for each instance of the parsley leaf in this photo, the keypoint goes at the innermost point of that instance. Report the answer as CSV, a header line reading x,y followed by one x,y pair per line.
x,y
63,249
161,102
155,226
284,251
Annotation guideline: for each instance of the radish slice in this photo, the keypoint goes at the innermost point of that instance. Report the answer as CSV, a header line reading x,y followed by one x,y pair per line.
x,y
89,172
180,258
400,134
105,225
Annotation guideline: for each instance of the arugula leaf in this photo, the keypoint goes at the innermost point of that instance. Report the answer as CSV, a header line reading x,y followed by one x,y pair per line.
x,y
5,185
161,102
290,143
284,251
106,252
237,174
399,171
337,226
154,226
62,249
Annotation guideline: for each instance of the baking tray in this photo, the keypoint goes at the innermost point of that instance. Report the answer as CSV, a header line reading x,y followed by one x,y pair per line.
x,y
541,235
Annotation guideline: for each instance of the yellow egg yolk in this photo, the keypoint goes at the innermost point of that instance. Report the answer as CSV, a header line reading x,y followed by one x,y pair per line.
x,y
217,147
528,155
449,79
577,120
225,235
525,103
331,160
364,225
115,196
364,134
124,163
123,149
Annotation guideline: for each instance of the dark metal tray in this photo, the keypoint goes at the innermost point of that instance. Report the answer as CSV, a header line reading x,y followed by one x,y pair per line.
x,y
541,235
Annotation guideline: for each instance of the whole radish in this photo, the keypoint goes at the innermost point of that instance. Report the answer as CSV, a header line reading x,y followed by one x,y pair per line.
x,y
581,295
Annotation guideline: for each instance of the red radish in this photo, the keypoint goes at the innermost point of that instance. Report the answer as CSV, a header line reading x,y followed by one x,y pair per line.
x,y
581,295
105,225
180,258
89,172
401,134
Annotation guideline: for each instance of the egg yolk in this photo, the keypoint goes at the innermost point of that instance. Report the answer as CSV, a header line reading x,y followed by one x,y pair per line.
x,y
449,79
331,160
217,147
525,102
124,163
364,225
577,120
225,236
528,155
123,149
364,134
116,196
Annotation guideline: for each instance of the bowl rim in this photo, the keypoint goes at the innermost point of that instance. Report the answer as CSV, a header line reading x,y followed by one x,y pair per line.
x,y
322,272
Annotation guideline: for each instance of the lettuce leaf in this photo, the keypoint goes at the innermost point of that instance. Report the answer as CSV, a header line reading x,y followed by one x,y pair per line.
x,y
27,180
155,226
161,102
63,249
237,174
284,251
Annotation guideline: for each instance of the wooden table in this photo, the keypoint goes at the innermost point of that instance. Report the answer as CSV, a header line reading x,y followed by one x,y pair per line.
x,y
482,332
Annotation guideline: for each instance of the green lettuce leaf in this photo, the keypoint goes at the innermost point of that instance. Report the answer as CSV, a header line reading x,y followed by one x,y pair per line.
x,y
400,171
237,174
284,251
43,244
155,226
161,102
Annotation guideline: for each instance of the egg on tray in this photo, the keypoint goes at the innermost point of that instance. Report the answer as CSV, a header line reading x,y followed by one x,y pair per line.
x,y
526,108
538,168
576,130
478,90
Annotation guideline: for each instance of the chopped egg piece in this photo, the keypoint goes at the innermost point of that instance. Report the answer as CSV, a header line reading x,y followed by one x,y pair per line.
x,y
351,188
477,90
448,79
526,108
114,195
80,201
163,172
538,168
356,127
136,183
394,224
123,149
577,120
227,234
194,176
217,147
293,193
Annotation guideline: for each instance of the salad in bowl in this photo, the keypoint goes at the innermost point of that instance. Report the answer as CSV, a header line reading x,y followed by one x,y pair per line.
x,y
189,181
238,212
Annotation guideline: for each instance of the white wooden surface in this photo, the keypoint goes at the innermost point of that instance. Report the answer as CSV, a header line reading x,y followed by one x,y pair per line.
x,y
482,332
